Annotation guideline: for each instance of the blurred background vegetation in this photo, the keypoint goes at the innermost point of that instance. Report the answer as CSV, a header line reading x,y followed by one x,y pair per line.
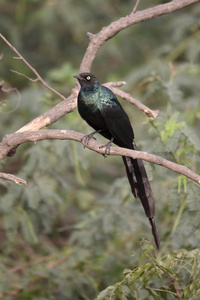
x,y
75,231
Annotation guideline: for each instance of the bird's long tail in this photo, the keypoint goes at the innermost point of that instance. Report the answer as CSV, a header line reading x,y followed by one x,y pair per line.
x,y
141,189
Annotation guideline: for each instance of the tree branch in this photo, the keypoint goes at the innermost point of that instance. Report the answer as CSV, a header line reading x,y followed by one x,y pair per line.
x,y
7,91
38,77
149,112
12,140
97,40
13,178
135,7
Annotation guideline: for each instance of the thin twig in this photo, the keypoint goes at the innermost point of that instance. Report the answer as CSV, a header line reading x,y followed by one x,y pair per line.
x,y
114,84
13,178
21,74
21,267
136,6
10,90
177,290
149,112
38,77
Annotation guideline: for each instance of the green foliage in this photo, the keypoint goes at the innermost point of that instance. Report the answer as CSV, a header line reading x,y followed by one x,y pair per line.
x,y
75,231
170,127
173,275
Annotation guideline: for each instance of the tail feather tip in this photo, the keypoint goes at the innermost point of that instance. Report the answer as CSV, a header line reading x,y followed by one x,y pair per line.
x,y
155,233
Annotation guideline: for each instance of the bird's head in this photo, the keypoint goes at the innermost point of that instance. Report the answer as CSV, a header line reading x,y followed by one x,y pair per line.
x,y
86,79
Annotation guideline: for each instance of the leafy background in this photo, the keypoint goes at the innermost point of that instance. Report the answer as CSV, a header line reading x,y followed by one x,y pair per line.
x,y
76,232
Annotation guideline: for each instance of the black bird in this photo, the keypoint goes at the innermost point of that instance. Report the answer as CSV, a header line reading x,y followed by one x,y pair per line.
x,y
99,107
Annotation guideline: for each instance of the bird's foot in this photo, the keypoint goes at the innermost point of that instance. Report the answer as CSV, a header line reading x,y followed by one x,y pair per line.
x,y
107,147
85,140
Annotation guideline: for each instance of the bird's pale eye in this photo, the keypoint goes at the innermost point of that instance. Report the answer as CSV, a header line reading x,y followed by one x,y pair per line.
x,y
88,78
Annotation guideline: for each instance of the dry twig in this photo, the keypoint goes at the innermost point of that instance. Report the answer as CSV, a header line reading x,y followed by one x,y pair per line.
x,y
38,77
12,178
136,6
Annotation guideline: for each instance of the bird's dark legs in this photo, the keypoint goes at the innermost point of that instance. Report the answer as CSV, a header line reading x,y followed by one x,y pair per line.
x,y
107,147
85,140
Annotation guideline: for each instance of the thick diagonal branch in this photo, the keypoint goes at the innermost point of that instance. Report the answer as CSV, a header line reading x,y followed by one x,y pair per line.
x,y
97,40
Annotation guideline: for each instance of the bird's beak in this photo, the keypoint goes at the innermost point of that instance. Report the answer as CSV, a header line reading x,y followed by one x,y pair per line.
x,y
77,76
